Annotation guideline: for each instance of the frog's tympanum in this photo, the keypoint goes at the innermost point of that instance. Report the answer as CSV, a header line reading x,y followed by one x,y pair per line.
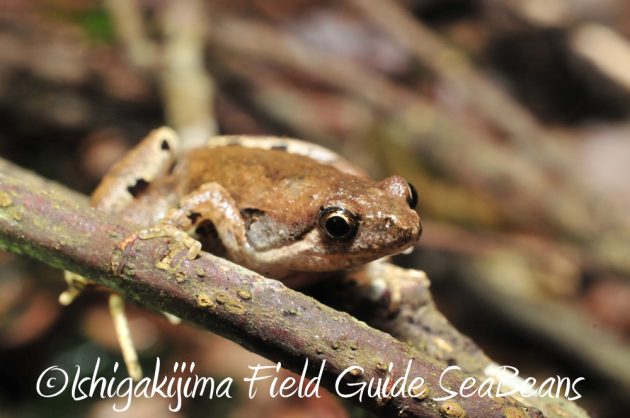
x,y
285,208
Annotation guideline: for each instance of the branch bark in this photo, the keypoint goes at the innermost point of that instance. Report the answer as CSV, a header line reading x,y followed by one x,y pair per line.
x,y
420,324
261,314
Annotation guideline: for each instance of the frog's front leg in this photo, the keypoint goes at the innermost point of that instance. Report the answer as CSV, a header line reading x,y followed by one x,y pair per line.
x,y
209,203
384,282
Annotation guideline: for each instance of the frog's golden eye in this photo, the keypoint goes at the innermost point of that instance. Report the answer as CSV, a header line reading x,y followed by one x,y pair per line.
x,y
338,223
412,198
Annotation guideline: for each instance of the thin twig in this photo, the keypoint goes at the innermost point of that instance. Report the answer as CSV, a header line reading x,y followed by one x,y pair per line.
x,y
473,88
131,32
185,85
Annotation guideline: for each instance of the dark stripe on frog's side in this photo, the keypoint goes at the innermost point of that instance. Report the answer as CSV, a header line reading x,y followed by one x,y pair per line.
x,y
265,233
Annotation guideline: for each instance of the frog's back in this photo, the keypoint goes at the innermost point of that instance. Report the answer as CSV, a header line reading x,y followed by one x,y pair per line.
x,y
238,168
268,180
285,186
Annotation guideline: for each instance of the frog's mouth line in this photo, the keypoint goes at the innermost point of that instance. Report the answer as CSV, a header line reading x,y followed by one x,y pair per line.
x,y
407,250
325,254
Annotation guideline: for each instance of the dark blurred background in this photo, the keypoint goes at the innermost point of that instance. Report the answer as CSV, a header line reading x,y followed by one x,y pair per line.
x,y
511,117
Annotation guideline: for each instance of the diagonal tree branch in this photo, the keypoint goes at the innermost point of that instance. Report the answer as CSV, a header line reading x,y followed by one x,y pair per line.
x,y
420,324
263,315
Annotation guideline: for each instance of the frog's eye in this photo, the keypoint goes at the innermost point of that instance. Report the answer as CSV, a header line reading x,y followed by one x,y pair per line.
x,y
412,197
338,223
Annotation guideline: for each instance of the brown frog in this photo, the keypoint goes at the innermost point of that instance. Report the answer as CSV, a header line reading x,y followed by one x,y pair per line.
x,y
285,208
288,209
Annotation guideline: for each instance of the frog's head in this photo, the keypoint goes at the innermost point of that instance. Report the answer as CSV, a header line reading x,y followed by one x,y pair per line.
x,y
358,224
350,222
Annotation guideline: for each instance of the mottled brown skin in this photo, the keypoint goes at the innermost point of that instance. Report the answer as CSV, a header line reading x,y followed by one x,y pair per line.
x,y
278,197
290,190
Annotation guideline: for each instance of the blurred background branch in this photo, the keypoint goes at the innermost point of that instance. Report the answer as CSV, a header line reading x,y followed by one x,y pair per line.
x,y
510,117
186,87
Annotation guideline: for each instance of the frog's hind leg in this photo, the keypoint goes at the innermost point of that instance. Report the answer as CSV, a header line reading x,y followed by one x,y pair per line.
x,y
76,284
151,158
293,146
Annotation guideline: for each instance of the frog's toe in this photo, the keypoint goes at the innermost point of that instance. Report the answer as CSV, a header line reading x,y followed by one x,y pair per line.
x,y
154,232
180,241
68,296
194,248
76,284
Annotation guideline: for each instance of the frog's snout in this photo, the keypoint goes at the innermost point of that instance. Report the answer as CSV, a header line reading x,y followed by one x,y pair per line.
x,y
415,229
402,230
418,230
